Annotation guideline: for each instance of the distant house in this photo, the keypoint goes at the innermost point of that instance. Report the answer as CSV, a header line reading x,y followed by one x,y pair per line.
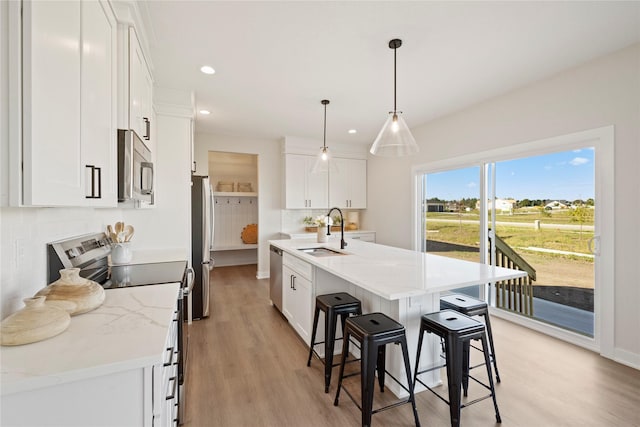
x,y
555,205
502,205
435,206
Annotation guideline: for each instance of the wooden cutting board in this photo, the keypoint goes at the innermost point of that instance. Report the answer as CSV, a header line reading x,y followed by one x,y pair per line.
x,y
249,234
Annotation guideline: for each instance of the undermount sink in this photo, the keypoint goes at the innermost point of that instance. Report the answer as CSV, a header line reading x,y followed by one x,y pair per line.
x,y
320,252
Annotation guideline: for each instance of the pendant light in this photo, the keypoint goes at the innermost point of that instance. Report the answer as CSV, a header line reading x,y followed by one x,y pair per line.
x,y
394,139
322,162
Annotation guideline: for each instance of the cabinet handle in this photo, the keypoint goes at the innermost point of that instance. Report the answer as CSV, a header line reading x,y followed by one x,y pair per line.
x,y
93,171
194,168
171,353
147,125
294,282
173,391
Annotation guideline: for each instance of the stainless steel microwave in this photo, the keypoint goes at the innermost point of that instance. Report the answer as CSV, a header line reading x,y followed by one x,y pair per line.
x,y
135,170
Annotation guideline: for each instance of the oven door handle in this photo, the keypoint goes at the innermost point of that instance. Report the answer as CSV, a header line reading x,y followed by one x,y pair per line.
x,y
190,281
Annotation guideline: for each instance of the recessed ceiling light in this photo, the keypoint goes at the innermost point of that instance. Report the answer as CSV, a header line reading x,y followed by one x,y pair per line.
x,y
207,69
352,131
205,112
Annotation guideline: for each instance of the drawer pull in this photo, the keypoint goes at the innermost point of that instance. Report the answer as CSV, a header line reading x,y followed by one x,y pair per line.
x,y
173,389
171,353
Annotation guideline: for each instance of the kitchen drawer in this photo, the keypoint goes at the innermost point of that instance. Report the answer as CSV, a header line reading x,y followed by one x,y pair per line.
x,y
303,268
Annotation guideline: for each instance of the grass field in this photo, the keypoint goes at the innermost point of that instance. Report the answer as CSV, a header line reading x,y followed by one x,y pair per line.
x,y
551,269
563,216
516,237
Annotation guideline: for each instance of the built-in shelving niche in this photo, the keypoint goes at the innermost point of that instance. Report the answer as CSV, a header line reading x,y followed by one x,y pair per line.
x,y
233,210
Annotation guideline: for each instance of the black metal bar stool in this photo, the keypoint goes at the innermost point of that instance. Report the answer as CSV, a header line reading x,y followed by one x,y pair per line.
x,y
374,331
332,305
472,307
456,330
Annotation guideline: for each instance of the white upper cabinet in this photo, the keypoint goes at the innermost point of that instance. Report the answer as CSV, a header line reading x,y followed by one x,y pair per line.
x,y
304,188
68,104
98,102
140,90
348,183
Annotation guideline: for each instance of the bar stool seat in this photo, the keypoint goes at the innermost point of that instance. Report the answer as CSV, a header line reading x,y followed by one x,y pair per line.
x,y
472,307
374,331
456,330
333,305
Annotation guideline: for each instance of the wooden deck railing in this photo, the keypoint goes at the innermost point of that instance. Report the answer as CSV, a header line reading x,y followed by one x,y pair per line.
x,y
514,294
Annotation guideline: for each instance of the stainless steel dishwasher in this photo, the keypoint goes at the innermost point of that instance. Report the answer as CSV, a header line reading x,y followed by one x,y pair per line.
x,y
275,277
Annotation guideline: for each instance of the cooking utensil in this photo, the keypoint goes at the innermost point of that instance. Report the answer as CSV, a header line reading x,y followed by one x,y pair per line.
x,y
119,227
128,231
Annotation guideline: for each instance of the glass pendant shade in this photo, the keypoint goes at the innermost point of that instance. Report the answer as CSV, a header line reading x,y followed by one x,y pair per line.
x,y
322,161
394,139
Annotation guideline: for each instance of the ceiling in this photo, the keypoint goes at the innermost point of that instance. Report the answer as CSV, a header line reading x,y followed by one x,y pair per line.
x,y
275,61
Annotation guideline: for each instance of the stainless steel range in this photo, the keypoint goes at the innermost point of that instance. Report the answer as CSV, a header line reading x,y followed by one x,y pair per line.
x,y
90,254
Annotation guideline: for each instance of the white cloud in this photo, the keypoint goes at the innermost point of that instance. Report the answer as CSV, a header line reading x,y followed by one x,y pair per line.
x,y
577,161
471,185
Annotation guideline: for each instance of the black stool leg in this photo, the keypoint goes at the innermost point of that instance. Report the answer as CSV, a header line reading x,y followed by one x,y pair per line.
x,y
415,375
407,367
345,353
487,361
466,354
329,345
454,375
381,365
487,323
368,371
313,334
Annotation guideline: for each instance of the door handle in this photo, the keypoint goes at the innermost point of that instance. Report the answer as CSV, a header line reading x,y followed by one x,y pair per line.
x,y
92,171
594,245
147,125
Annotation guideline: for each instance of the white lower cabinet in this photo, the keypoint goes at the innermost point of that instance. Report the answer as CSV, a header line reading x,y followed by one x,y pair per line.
x,y
297,278
145,397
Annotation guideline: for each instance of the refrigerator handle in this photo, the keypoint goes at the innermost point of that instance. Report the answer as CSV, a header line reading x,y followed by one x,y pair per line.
x,y
211,218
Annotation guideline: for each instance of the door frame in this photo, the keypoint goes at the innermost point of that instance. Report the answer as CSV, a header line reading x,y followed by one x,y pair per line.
x,y
602,140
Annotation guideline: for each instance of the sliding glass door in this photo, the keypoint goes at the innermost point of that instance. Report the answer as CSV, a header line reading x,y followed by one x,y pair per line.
x,y
536,211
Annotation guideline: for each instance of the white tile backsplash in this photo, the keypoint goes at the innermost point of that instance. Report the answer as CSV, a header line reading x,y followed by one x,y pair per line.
x,y
292,218
24,234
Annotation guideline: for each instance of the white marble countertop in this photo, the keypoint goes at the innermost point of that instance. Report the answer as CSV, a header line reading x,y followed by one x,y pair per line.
x,y
395,273
128,331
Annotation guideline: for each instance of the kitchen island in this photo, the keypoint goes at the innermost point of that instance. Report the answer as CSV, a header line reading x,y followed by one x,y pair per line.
x,y
401,283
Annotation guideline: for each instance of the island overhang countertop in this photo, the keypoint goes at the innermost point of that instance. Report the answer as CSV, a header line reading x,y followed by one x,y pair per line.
x,y
395,273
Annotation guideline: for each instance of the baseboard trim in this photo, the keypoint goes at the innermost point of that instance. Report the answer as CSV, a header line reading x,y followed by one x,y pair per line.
x,y
627,358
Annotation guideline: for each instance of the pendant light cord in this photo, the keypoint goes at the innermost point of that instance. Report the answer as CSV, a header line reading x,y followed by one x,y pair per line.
x,y
395,108
324,136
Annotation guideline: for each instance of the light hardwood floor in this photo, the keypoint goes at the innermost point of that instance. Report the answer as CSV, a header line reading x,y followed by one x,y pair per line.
x,y
247,367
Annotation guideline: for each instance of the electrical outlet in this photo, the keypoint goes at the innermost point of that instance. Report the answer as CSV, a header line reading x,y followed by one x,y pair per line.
x,y
19,252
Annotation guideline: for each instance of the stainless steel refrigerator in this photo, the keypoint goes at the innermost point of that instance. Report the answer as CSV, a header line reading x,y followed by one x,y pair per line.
x,y
201,243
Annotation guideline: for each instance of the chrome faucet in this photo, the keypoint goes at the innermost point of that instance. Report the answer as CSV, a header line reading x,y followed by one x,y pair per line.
x,y
342,242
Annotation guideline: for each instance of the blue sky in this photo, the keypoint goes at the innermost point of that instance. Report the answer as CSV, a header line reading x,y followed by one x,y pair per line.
x,y
566,175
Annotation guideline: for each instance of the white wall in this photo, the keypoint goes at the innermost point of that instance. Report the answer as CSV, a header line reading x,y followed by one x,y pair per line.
x,y
269,182
168,224
24,234
603,92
